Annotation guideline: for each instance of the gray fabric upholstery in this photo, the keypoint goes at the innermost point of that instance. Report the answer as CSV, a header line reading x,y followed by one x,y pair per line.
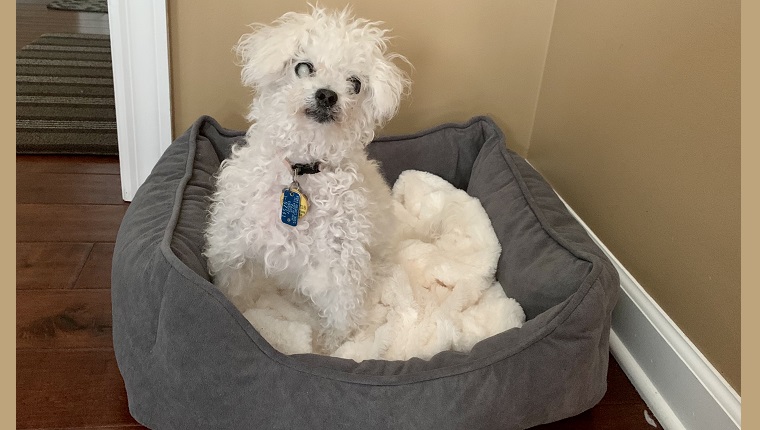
x,y
190,359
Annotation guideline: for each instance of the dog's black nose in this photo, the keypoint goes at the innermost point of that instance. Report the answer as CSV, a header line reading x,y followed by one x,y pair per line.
x,y
326,98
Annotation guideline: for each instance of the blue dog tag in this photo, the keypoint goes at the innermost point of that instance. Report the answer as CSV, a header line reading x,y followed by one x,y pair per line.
x,y
291,204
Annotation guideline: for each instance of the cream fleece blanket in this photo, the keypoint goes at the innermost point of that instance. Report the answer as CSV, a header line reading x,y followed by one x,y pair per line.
x,y
440,295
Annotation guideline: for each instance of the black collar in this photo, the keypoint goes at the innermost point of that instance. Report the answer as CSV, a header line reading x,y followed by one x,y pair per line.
x,y
305,169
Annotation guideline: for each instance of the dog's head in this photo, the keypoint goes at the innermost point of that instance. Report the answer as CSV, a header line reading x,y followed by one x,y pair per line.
x,y
323,74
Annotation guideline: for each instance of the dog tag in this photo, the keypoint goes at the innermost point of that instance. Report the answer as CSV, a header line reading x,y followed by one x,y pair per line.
x,y
294,206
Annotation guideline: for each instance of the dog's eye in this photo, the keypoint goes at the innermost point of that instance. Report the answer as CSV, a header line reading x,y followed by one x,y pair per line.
x,y
304,69
356,84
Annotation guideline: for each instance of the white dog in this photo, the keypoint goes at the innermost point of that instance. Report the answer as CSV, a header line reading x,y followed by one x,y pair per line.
x,y
299,201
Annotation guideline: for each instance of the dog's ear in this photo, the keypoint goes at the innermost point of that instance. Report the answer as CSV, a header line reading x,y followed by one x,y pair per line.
x,y
267,50
387,85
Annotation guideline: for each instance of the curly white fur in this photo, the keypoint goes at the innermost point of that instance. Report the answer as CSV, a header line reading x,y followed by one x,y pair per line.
x,y
335,252
440,295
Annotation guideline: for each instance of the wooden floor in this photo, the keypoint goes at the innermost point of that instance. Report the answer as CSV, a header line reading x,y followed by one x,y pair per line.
x,y
34,19
68,210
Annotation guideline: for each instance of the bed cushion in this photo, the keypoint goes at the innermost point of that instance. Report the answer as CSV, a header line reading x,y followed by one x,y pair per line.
x,y
190,359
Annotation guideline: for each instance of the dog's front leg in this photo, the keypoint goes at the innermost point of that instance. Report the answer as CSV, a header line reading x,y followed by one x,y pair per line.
x,y
337,288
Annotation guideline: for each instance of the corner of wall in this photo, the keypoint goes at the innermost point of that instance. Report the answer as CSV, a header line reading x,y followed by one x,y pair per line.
x,y
541,82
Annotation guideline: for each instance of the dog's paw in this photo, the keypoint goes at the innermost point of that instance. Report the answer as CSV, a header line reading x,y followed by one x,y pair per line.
x,y
330,339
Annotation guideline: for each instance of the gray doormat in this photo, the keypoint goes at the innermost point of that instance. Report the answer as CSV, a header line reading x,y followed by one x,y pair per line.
x,y
65,97
100,6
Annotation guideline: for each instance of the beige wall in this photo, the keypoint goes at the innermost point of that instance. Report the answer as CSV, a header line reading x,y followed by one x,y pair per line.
x,y
638,128
636,125
467,60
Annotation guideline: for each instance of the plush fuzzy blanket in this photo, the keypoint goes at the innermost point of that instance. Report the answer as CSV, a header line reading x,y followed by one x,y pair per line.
x,y
440,294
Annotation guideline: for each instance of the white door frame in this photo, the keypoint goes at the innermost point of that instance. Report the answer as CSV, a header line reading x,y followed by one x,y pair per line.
x,y
140,55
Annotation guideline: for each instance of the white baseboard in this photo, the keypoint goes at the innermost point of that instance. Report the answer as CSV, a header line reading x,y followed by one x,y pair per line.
x,y
683,390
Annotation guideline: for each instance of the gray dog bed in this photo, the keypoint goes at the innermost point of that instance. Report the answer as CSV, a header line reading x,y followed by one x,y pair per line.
x,y
190,360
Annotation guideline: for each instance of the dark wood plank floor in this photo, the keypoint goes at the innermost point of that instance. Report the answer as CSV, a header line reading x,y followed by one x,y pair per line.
x,y
34,19
68,212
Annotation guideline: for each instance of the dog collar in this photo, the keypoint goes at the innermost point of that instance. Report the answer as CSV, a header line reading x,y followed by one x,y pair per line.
x,y
305,169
